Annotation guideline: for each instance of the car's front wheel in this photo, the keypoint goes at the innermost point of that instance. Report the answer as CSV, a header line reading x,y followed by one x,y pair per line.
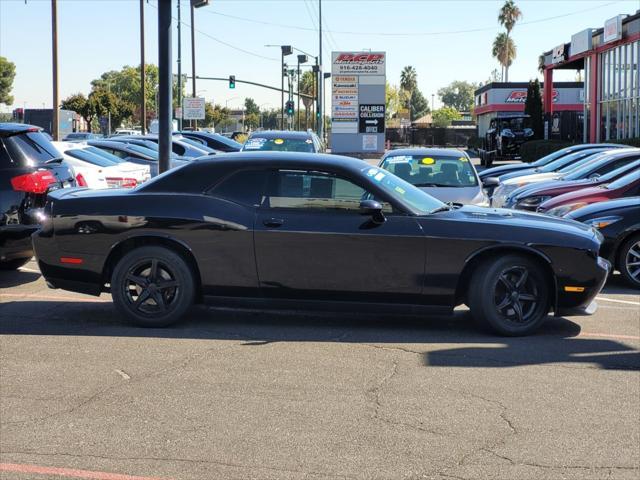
x,y
152,286
510,295
629,261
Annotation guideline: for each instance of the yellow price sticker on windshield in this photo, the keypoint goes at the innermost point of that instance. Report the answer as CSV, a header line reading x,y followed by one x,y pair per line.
x,y
278,141
463,159
427,161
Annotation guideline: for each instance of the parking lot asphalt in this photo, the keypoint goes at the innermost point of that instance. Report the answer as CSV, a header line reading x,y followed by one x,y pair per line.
x,y
232,393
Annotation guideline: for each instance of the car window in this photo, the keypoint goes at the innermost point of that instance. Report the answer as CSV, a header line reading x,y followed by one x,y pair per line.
x,y
626,180
244,187
143,151
319,191
432,170
280,144
616,164
568,162
118,153
197,144
104,154
89,157
177,148
30,148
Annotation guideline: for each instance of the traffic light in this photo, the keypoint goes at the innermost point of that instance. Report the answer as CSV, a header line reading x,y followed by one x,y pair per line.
x,y
232,81
290,107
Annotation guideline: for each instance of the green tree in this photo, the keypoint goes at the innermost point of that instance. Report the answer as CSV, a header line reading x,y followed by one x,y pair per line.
x,y
395,100
508,17
504,50
408,79
458,95
252,120
533,108
215,115
307,86
251,107
419,105
7,75
444,116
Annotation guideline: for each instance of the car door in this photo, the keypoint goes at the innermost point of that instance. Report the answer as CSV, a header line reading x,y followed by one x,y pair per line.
x,y
312,242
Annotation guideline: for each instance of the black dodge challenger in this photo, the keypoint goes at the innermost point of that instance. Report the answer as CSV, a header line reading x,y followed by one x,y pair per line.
x,y
318,230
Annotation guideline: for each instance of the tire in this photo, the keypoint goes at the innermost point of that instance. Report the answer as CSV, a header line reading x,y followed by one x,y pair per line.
x,y
151,299
497,297
629,261
14,264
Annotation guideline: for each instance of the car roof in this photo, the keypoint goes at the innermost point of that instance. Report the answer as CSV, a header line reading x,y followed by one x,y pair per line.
x,y
269,134
8,129
108,143
301,159
595,208
443,152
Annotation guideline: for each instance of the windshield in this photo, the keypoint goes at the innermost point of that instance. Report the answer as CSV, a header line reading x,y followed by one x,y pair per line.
x,y
432,170
550,158
104,154
422,203
89,157
624,181
198,145
280,144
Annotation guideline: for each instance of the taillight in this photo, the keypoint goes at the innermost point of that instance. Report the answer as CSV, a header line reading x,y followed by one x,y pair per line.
x,y
119,182
36,182
81,181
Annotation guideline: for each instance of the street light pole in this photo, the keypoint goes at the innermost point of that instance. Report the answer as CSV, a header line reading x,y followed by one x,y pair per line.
x,y
193,56
164,84
179,68
143,93
55,120
320,78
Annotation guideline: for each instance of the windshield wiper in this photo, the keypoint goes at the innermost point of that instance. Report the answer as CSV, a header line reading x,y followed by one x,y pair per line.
x,y
442,208
54,160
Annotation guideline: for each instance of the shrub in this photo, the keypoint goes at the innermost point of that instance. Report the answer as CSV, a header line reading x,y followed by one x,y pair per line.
x,y
474,142
632,142
534,149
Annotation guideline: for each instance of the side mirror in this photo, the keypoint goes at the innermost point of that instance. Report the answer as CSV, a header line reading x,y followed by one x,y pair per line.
x,y
491,182
373,209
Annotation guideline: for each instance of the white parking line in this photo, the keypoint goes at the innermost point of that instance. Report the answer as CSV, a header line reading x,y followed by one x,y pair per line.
x,y
626,302
23,269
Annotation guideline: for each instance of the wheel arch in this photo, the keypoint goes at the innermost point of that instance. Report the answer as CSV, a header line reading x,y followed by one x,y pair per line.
x,y
635,230
478,257
123,247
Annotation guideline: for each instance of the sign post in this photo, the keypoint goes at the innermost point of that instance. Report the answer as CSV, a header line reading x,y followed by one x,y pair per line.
x,y
358,82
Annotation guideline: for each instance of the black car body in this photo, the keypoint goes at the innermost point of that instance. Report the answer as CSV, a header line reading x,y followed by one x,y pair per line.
x,y
514,167
30,166
619,223
283,141
308,227
214,140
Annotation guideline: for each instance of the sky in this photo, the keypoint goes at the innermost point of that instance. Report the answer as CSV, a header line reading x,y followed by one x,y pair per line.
x,y
444,40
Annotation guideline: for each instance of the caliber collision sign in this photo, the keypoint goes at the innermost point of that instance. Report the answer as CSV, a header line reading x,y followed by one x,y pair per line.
x,y
371,119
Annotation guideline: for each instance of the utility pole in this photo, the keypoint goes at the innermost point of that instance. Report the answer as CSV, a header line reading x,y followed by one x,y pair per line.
x,y
143,93
179,68
55,120
319,75
282,94
193,58
164,84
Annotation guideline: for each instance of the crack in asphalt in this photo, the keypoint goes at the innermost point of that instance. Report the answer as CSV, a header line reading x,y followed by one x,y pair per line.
x,y
183,460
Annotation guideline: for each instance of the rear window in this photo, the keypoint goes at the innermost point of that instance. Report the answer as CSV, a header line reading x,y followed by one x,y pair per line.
x,y
31,148
91,158
280,144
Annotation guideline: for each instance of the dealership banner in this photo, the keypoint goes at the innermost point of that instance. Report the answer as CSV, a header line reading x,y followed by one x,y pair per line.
x,y
358,81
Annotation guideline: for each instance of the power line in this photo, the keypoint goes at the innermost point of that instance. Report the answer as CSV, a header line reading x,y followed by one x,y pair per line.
x,y
410,34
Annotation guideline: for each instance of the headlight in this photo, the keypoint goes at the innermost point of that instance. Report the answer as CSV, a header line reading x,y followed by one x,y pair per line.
x,y
528,132
602,222
532,202
507,133
564,209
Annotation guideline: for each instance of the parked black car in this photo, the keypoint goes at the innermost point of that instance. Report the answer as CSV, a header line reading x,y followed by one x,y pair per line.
x,y
30,166
619,222
214,140
310,227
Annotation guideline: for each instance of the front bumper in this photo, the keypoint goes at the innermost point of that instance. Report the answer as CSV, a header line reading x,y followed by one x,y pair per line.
x,y
15,242
583,303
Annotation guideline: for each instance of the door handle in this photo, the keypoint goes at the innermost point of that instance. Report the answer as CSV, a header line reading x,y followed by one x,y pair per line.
x,y
273,222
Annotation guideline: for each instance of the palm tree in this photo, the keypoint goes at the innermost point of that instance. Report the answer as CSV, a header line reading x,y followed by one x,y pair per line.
x,y
408,83
504,50
307,86
508,17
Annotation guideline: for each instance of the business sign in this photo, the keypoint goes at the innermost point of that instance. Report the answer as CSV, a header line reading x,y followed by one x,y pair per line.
x,y
193,108
581,41
371,119
559,54
520,96
612,29
358,63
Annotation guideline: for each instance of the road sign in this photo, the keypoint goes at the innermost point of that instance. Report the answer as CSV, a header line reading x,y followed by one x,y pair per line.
x,y
193,108
371,118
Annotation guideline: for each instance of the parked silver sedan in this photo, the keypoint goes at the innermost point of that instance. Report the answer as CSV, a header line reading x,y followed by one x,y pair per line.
x,y
445,174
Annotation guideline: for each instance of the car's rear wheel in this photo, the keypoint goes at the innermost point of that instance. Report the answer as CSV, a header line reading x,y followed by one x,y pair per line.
x,y
509,295
629,261
152,286
14,264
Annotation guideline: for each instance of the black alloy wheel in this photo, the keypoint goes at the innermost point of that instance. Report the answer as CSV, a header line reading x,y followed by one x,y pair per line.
x,y
509,295
629,261
152,286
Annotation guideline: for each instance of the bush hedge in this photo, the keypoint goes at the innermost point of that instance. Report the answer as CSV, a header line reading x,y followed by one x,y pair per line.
x,y
534,149
474,142
632,142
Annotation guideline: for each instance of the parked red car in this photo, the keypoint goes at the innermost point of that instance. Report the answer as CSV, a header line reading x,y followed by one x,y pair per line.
x,y
627,186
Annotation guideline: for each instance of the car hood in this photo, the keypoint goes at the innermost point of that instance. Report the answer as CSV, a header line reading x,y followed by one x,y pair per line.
x,y
521,219
550,187
601,208
464,195
590,195
516,174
